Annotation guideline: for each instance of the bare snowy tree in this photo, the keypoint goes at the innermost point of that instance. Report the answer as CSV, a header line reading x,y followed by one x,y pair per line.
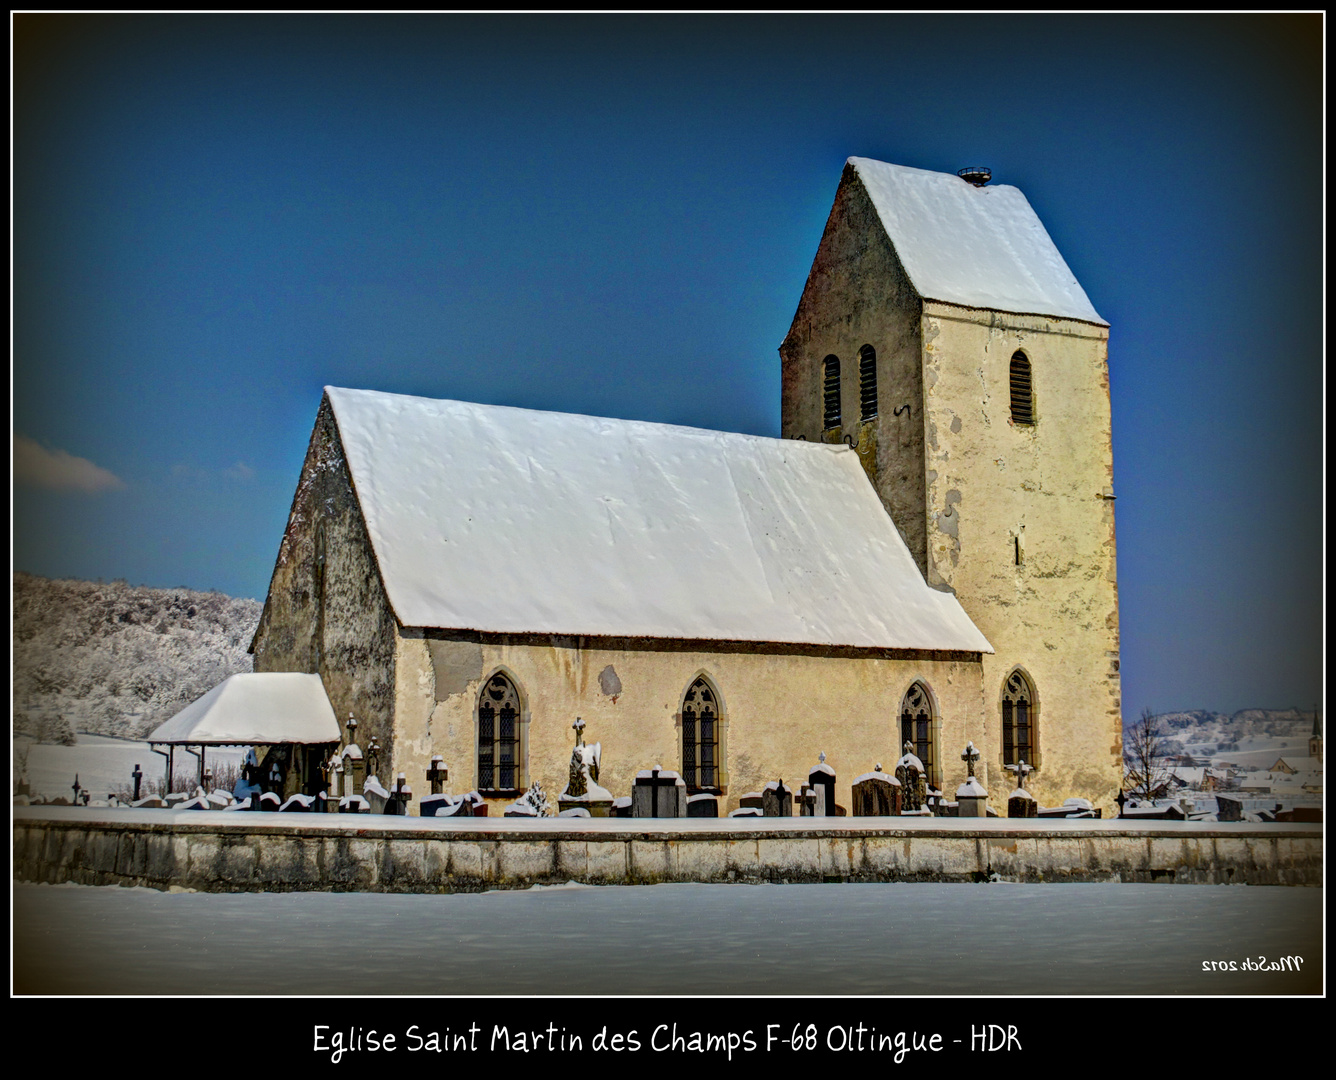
x,y
1144,757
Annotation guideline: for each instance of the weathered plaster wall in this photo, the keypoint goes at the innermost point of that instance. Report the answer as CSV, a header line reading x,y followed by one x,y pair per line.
x,y
858,294
990,481
782,706
352,642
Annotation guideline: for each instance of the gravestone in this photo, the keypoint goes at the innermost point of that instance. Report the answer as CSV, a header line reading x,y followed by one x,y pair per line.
x,y
1020,803
876,794
400,796
298,804
776,800
752,800
913,782
375,794
582,789
823,776
971,798
437,775
658,792
703,805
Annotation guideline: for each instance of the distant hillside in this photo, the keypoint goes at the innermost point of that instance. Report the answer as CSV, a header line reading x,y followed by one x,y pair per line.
x,y
1201,731
118,659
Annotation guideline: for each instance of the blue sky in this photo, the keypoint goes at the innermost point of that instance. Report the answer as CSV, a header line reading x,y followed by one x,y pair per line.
x,y
216,216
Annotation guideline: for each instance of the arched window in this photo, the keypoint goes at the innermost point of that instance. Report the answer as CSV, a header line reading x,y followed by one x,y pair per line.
x,y
867,381
917,724
1018,716
702,761
832,367
500,736
1022,390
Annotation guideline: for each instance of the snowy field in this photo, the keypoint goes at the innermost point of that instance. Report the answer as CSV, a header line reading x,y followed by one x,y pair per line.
x,y
103,764
915,939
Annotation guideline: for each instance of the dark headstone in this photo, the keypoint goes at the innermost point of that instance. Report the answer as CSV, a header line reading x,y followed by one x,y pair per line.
x,y
776,800
876,794
703,805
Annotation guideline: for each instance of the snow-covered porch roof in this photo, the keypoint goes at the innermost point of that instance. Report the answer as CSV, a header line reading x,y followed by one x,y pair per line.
x,y
264,707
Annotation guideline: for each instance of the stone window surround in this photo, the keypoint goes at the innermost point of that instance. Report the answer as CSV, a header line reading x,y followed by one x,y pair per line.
x,y
521,737
721,727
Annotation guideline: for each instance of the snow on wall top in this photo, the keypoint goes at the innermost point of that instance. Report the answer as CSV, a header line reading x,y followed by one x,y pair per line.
x,y
509,520
261,707
981,247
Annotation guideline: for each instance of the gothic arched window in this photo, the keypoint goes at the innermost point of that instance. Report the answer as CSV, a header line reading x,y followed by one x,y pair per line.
x,y
832,370
1022,390
702,760
867,381
500,736
918,726
1018,716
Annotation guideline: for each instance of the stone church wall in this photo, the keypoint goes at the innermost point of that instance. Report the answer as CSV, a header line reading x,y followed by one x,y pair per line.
x,y
345,631
993,486
858,294
782,706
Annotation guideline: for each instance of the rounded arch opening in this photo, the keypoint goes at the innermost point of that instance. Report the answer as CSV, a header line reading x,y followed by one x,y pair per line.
x,y
1022,390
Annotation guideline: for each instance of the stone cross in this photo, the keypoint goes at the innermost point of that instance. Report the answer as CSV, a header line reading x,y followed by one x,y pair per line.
x,y
138,775
352,727
656,782
579,727
1021,770
77,788
969,757
437,774
373,755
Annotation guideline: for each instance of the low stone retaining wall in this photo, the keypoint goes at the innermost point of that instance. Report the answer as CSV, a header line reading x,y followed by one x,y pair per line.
x,y
239,852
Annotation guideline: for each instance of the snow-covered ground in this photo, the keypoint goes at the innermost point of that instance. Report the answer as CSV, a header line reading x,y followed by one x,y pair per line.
x,y
102,763
915,939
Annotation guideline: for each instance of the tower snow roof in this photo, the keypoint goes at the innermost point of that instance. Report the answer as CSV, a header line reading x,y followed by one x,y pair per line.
x,y
981,247
509,520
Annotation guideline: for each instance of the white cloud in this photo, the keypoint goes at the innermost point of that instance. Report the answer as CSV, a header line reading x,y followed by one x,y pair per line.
x,y
240,471
37,466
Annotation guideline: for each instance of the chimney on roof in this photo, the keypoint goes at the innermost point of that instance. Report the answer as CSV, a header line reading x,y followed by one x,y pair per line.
x,y
976,175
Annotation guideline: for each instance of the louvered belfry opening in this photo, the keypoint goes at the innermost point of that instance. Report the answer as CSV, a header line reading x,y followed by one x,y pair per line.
x,y
1022,390
700,738
1017,721
499,736
867,381
832,365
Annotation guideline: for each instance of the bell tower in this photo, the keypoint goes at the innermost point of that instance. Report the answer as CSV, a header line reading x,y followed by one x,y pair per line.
x,y
942,336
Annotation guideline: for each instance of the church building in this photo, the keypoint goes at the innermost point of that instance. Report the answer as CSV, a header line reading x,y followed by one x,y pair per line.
x,y
927,555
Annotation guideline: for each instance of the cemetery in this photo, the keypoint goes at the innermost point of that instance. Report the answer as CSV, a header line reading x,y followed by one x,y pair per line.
x,y
359,835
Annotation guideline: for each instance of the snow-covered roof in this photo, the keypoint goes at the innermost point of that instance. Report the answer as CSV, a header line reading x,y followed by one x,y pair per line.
x,y
981,247
260,707
510,520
